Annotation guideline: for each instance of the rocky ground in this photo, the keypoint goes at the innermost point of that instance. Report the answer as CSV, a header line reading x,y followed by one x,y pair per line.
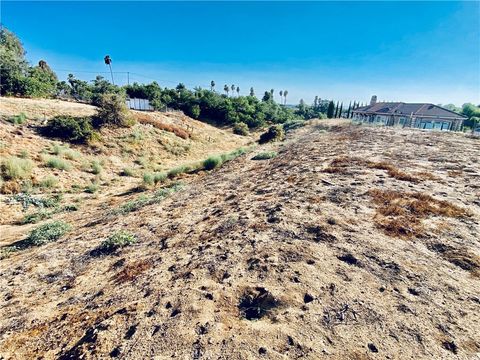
x,y
354,242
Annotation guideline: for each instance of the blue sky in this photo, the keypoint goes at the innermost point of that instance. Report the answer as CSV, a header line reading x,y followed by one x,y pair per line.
x,y
407,51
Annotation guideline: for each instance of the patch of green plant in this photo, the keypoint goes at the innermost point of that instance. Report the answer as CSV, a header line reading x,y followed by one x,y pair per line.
x,y
14,168
159,177
70,207
71,154
46,233
57,163
178,170
23,154
144,200
18,119
117,240
265,155
79,130
240,128
36,217
92,188
26,199
6,251
274,133
212,162
127,172
96,167
48,182
148,179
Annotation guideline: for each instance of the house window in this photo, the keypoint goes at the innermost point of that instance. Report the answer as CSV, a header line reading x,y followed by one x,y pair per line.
x,y
445,126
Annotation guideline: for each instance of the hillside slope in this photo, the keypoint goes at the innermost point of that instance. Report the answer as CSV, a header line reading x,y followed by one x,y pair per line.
x,y
114,164
353,243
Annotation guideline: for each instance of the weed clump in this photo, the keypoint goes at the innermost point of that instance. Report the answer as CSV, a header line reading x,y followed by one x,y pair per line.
x,y
46,233
116,241
274,133
240,128
212,162
96,167
57,163
113,111
14,168
18,119
265,155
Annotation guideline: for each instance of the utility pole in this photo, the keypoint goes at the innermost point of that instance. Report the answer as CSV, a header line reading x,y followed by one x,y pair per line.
x,y
108,61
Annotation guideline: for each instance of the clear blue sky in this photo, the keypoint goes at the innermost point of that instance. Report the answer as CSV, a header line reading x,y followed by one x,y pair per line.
x,y
409,51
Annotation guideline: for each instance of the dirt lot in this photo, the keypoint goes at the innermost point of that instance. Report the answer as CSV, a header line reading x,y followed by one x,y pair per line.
x,y
353,243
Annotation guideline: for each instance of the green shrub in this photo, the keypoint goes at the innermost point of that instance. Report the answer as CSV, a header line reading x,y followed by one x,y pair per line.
x,y
159,177
57,163
127,172
265,155
96,167
36,217
178,170
148,179
113,111
48,182
72,129
23,154
117,240
18,119
71,154
92,188
14,168
241,128
274,133
212,162
46,233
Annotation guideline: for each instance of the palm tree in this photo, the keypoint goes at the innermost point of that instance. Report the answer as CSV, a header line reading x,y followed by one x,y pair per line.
x,y
212,85
226,89
285,93
233,89
315,101
238,90
271,92
252,92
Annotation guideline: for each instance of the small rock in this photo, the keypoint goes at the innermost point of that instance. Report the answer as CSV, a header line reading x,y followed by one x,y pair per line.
x,y
372,348
262,351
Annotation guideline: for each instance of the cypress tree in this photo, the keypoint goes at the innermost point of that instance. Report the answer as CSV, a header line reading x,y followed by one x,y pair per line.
x,y
349,109
330,110
336,111
340,111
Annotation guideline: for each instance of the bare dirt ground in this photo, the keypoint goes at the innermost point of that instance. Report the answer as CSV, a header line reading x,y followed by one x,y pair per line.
x,y
353,243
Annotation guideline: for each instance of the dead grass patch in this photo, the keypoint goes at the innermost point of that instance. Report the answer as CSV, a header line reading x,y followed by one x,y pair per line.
x,y
400,213
392,171
131,271
145,119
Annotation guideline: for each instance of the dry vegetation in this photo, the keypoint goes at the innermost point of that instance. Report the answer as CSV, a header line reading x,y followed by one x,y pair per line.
x,y
327,249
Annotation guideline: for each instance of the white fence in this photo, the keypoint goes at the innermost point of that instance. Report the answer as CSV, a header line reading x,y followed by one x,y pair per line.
x,y
139,104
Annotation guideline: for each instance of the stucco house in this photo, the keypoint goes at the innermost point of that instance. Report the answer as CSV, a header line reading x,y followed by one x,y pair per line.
x,y
415,115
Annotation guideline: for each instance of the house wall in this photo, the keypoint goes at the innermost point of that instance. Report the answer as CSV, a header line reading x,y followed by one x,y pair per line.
x,y
415,122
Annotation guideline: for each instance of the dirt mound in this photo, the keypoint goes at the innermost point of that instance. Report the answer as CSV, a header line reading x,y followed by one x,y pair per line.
x,y
267,259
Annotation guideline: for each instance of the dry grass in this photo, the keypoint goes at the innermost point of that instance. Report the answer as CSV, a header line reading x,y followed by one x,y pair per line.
x,y
399,213
131,271
145,119
392,171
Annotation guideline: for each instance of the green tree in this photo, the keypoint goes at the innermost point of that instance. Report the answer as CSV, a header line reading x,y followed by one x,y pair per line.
x,y
331,110
285,93
340,110
252,92
40,82
13,66
212,85
233,89
267,96
238,90
226,89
